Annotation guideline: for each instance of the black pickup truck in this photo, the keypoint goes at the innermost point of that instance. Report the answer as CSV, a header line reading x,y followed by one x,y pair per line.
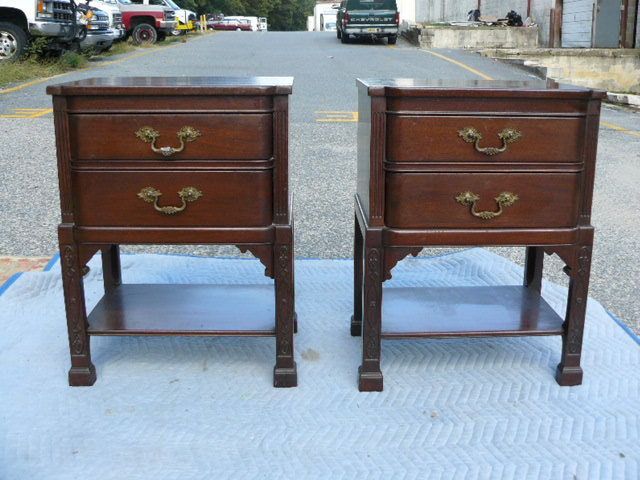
x,y
368,18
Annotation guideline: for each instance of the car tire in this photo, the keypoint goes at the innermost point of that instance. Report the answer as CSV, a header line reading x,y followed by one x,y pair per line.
x,y
162,36
344,38
392,39
13,42
144,33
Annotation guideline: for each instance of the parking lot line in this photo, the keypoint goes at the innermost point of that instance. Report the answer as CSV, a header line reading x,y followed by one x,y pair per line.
x,y
619,128
459,64
27,113
339,116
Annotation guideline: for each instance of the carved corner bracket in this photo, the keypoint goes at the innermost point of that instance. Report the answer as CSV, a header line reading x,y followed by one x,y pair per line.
x,y
393,255
264,253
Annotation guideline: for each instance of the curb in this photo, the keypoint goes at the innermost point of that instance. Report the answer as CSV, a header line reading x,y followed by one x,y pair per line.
x,y
624,99
540,72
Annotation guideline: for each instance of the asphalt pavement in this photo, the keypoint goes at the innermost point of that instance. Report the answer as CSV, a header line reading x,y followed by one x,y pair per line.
x,y
322,146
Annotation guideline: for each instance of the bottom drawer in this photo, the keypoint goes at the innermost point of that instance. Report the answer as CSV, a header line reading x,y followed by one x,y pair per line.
x,y
481,200
189,199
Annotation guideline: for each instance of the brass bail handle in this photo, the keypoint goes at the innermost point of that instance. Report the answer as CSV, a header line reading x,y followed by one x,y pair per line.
x,y
152,195
504,199
508,135
185,134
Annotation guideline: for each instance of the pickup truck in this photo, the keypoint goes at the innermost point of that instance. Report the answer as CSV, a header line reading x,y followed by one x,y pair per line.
x,y
368,19
147,23
22,20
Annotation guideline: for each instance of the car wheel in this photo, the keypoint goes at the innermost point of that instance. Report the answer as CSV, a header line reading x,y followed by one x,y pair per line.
x,y
344,38
392,39
238,29
162,36
144,33
13,42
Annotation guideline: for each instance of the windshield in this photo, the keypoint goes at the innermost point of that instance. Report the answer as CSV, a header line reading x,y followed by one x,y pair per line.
x,y
125,2
172,4
372,5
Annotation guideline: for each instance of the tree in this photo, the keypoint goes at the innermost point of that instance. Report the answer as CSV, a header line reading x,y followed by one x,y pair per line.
x,y
283,15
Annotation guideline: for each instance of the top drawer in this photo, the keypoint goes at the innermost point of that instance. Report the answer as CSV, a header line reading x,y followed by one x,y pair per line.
x,y
421,138
219,137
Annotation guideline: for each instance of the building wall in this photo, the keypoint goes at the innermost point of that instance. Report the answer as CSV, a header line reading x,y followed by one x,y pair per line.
x,y
577,22
638,26
447,10
429,11
407,9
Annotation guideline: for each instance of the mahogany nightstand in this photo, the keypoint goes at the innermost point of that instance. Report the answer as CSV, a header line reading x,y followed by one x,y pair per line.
x,y
472,163
200,160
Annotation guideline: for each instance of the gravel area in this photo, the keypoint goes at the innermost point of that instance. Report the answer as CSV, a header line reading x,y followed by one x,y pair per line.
x,y
322,155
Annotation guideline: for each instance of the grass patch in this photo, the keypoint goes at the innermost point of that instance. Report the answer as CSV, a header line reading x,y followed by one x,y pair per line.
x,y
119,48
29,69
38,65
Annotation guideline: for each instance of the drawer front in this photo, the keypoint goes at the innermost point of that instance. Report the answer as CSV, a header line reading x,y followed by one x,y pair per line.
x,y
219,137
439,139
482,200
128,199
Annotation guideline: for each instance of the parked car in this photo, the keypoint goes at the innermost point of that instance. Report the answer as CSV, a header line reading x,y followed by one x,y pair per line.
x,y
110,7
185,18
368,19
228,24
252,21
146,23
23,20
98,36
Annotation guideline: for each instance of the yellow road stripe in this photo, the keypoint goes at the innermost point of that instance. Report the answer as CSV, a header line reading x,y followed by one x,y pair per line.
x,y
459,64
336,116
28,113
618,128
30,84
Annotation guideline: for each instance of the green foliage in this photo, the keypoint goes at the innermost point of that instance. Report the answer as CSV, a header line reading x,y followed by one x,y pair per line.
x,y
72,60
281,14
38,47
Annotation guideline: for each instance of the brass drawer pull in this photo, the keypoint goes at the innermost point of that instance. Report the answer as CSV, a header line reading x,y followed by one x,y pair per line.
x,y
504,199
187,194
185,134
471,135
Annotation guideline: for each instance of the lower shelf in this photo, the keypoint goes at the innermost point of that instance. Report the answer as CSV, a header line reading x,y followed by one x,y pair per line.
x,y
137,309
466,311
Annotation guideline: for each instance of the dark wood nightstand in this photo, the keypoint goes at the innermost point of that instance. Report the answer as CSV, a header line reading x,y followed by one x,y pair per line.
x,y
472,163
175,161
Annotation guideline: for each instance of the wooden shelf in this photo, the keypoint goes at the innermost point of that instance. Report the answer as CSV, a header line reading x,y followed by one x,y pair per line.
x,y
468,311
138,309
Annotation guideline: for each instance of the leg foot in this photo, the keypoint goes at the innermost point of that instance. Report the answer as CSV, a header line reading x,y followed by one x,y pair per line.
x,y
285,377
568,376
356,327
369,381
82,376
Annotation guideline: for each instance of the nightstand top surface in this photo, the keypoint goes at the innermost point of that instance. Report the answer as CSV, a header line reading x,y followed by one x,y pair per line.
x,y
402,86
175,85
